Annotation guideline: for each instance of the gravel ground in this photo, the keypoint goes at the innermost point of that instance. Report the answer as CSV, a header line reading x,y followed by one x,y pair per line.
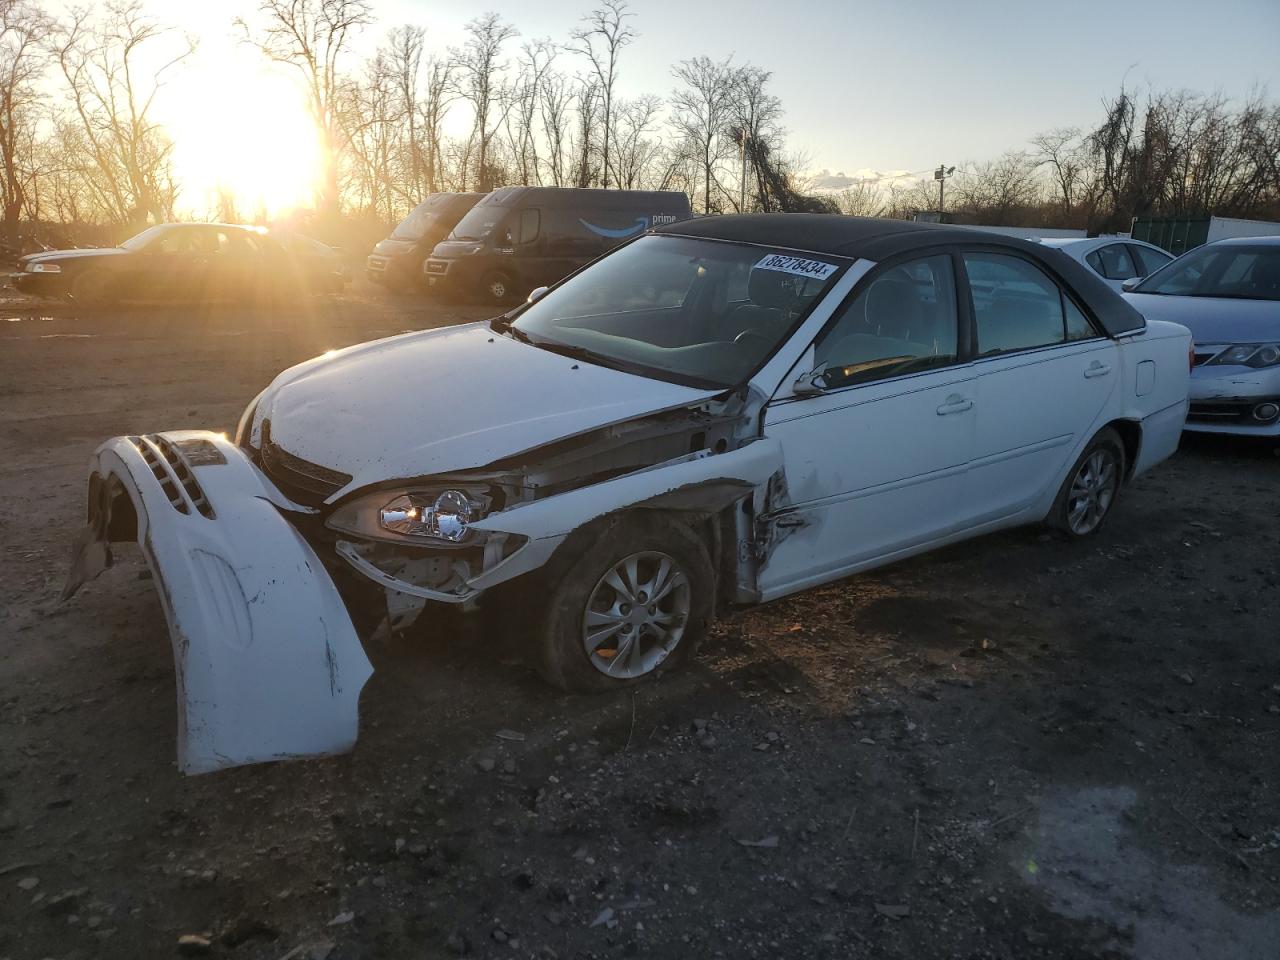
x,y
1016,747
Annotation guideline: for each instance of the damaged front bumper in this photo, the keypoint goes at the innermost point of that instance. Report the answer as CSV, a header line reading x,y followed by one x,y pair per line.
x,y
268,663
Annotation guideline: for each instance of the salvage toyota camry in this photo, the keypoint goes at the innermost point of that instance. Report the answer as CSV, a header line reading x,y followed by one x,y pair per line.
x,y
719,413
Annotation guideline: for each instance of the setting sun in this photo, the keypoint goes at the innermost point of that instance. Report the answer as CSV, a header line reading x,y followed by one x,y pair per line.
x,y
240,129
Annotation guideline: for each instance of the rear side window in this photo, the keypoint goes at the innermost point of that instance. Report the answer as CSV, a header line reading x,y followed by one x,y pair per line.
x,y
1112,261
1017,306
904,322
1149,261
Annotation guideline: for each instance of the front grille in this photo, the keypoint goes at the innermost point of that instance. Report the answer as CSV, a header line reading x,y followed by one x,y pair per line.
x,y
300,480
1228,413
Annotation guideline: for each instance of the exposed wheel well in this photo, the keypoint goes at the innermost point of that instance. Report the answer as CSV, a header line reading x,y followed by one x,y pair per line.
x,y
1130,432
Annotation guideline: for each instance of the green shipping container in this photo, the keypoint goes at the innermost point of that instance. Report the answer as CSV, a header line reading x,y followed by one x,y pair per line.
x,y
1175,234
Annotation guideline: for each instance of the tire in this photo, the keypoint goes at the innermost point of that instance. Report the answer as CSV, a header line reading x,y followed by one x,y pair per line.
x,y
496,287
1092,486
649,638
92,288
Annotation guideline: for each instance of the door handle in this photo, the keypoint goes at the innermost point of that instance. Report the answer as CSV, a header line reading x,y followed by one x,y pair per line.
x,y
1096,369
955,404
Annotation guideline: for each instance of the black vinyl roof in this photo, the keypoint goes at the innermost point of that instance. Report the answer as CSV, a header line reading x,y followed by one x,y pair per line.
x,y
874,239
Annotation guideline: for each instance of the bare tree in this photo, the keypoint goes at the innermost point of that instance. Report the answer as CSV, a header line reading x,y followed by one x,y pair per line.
x,y
601,41
404,59
312,36
441,91
861,199
635,151
555,101
480,70
126,154
754,117
701,108
24,31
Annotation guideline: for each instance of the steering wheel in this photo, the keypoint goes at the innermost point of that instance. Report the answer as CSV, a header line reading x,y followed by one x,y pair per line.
x,y
752,339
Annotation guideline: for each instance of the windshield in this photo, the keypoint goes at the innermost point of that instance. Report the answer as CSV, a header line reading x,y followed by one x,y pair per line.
x,y
478,222
416,224
144,238
703,312
1237,271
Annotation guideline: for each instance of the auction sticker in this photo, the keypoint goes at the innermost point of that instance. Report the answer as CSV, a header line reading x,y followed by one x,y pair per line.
x,y
797,265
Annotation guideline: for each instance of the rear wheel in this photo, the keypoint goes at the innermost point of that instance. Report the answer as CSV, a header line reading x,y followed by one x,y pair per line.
x,y
92,288
633,604
1091,488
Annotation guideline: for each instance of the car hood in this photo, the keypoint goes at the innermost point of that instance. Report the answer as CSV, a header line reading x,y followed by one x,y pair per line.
x,y
74,254
445,400
391,247
1214,319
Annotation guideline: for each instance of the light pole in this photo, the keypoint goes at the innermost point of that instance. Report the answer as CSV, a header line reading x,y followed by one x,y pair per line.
x,y
941,175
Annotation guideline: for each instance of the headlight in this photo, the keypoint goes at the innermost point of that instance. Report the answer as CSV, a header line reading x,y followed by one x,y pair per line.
x,y
419,515
1249,355
44,267
442,514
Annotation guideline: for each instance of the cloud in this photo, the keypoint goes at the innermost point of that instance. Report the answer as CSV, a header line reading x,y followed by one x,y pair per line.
x,y
828,181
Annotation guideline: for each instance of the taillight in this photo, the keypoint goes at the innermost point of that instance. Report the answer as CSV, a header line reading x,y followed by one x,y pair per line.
x,y
1191,356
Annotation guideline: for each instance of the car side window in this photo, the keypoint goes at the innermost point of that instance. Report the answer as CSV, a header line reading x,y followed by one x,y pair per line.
x,y
1112,261
904,321
1149,261
530,221
1016,306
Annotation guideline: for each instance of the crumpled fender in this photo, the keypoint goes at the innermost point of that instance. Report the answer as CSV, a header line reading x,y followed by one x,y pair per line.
x,y
734,474
268,663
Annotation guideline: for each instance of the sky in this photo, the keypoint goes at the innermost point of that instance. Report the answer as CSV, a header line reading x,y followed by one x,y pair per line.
x,y
867,85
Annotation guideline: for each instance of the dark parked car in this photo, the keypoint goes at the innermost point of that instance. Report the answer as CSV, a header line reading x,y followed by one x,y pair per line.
x,y
189,261
397,260
519,238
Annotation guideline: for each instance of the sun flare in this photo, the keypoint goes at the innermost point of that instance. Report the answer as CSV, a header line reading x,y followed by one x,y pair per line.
x,y
241,129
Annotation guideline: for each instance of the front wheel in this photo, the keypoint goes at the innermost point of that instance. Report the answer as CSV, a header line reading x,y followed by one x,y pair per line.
x,y
1091,488
92,289
496,287
633,604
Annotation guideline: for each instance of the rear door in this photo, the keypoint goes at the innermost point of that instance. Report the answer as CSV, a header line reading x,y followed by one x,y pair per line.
x,y
1044,378
875,463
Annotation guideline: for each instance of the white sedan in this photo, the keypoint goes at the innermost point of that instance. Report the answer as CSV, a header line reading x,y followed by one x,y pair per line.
x,y
720,413
1114,259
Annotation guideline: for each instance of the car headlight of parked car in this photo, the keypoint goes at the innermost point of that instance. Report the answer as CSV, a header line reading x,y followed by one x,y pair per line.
x,y
44,267
441,514
1249,355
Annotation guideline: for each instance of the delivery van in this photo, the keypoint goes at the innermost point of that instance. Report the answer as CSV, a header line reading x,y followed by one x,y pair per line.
x,y
397,261
520,238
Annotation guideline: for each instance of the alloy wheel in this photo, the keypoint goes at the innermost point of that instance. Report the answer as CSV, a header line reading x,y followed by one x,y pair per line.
x,y
636,615
1093,490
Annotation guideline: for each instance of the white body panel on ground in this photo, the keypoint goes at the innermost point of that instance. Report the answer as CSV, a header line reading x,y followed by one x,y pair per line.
x,y
268,664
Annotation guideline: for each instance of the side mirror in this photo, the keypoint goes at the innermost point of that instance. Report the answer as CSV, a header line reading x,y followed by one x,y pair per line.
x,y
536,294
1130,285
812,383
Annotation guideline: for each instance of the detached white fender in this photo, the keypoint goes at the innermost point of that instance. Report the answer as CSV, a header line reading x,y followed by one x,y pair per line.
x,y
268,663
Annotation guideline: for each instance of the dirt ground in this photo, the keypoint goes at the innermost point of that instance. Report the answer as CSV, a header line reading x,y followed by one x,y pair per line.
x,y
1014,748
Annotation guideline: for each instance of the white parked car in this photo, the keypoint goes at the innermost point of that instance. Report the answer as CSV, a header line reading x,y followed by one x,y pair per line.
x,y
1114,259
1228,294
722,412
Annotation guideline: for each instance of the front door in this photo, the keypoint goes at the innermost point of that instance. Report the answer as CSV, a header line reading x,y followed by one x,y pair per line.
x,y
875,463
